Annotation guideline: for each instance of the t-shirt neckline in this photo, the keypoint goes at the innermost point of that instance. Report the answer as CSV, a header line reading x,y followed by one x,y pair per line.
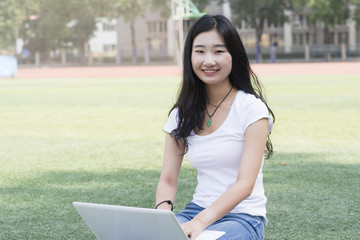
x,y
221,126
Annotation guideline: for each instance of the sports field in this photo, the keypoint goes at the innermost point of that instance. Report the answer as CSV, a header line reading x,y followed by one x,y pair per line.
x,y
99,139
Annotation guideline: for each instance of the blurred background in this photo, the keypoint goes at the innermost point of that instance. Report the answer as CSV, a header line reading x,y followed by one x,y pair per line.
x,y
93,134
151,32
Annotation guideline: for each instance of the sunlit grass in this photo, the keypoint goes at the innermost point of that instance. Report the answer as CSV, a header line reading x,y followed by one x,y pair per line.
x,y
101,140
312,183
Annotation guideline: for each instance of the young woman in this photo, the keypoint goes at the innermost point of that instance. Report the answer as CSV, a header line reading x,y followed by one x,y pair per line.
x,y
221,122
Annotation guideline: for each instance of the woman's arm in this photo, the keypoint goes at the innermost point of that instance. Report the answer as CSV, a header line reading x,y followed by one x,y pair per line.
x,y
172,160
254,147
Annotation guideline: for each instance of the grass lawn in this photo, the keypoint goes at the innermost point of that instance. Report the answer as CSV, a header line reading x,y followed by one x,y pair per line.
x,y
101,140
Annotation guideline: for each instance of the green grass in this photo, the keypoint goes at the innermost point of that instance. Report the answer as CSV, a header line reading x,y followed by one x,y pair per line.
x,y
101,140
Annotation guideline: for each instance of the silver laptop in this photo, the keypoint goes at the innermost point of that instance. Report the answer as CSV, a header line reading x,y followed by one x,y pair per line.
x,y
110,222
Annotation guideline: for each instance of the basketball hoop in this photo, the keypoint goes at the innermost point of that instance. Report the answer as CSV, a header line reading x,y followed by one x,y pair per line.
x,y
180,10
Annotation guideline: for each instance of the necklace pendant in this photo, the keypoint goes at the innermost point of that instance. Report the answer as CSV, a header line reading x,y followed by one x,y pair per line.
x,y
209,122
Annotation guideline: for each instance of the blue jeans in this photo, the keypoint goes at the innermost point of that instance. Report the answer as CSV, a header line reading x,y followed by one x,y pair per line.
x,y
237,226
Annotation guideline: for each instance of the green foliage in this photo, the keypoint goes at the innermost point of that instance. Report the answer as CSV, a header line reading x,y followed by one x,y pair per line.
x,y
201,4
356,13
130,10
83,13
255,12
165,8
47,31
12,15
9,14
330,12
61,23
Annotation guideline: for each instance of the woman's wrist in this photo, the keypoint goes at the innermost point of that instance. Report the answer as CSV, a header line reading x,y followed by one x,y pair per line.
x,y
205,218
164,203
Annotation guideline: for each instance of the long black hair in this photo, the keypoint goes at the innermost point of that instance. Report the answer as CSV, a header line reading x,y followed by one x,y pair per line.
x,y
192,97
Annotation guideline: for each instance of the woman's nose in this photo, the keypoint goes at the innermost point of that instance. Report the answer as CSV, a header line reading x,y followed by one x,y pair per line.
x,y
209,60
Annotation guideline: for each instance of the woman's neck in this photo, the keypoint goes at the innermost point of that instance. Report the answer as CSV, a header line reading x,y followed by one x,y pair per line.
x,y
216,93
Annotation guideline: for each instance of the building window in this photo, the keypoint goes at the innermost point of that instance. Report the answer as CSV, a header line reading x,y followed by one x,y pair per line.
x,y
163,26
330,39
307,38
294,39
343,37
315,38
151,27
108,27
301,20
157,26
109,47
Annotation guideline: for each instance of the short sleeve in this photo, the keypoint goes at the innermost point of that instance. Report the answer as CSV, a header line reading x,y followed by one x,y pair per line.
x,y
172,121
255,110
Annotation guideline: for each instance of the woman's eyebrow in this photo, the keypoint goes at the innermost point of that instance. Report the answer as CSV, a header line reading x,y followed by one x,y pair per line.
x,y
216,45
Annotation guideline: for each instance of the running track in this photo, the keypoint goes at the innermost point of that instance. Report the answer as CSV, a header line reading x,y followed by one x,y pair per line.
x,y
333,68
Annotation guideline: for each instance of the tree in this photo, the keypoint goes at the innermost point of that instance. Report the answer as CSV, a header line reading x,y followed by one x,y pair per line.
x,y
356,13
255,13
82,15
44,31
165,8
328,12
74,21
12,15
130,10
59,23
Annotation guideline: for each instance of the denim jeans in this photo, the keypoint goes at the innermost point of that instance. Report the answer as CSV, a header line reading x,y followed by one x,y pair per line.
x,y
237,226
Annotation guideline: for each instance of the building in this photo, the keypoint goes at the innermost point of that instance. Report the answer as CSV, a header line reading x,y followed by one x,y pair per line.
x,y
157,39
104,42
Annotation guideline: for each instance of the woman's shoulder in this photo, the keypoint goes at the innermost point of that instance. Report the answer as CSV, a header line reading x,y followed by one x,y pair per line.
x,y
172,121
173,113
247,98
250,109
248,102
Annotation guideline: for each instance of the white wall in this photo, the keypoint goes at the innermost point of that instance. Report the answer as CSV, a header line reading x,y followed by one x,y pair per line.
x,y
103,37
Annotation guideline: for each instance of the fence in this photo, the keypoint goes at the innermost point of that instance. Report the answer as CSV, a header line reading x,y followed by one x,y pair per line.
x,y
145,55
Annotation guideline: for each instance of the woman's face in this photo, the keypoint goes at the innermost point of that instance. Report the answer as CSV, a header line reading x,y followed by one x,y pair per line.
x,y
210,59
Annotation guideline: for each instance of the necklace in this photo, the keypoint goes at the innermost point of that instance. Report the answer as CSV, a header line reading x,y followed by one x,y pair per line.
x,y
210,116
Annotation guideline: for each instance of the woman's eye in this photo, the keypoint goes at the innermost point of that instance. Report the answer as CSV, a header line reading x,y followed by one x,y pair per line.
x,y
198,51
219,51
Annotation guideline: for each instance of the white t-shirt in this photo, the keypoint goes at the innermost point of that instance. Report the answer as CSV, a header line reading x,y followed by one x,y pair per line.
x,y
217,156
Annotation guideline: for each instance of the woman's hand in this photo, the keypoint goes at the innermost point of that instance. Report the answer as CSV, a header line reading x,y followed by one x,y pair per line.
x,y
193,228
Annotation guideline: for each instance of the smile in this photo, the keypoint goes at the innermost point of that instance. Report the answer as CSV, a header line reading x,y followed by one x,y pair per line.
x,y
210,70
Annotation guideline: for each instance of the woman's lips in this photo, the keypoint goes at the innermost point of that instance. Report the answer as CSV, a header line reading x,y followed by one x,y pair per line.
x,y
210,72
